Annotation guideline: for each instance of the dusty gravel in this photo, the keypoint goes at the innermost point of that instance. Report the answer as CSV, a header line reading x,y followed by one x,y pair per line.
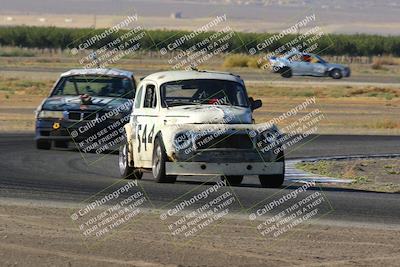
x,y
44,236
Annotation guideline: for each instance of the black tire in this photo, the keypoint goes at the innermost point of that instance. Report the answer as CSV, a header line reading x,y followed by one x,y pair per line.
x,y
61,144
43,144
286,72
336,74
274,181
158,165
126,171
233,180
271,181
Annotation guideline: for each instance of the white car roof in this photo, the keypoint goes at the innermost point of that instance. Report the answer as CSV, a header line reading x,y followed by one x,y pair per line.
x,y
98,71
169,76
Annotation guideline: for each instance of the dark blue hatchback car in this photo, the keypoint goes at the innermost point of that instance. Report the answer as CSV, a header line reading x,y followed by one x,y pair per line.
x,y
87,107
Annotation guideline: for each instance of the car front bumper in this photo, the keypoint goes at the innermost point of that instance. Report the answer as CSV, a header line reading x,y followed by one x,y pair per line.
x,y
208,168
45,130
347,72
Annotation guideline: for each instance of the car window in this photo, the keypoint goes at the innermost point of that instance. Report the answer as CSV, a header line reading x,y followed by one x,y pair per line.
x,y
138,98
95,85
320,59
150,100
203,91
69,88
306,58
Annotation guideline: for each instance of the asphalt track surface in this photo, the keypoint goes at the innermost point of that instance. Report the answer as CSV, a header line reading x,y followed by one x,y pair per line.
x,y
64,175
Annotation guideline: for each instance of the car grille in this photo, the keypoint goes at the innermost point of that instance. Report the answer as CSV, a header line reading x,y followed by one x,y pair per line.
x,y
237,141
59,132
78,116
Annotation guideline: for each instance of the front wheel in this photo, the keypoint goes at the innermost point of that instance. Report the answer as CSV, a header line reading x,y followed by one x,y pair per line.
x,y
271,181
233,180
61,144
336,74
43,144
274,180
159,160
125,170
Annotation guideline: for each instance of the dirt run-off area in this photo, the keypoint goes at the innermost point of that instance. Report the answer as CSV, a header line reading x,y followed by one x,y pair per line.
x,y
39,235
380,175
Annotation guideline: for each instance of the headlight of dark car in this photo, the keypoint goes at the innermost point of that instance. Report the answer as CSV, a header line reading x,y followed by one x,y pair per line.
x,y
50,114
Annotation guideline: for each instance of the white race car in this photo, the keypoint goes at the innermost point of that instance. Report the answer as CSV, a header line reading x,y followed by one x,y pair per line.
x,y
199,123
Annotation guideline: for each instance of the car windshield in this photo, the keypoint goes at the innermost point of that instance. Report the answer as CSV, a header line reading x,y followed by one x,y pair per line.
x,y
320,59
203,91
302,57
105,86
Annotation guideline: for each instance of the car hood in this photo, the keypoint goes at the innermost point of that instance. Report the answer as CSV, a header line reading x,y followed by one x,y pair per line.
x,y
75,103
278,61
208,114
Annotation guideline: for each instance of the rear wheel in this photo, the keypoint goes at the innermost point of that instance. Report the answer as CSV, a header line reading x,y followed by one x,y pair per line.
x,y
125,170
274,180
233,179
43,144
159,160
286,72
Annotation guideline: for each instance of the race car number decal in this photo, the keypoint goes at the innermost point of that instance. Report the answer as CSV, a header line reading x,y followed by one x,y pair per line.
x,y
142,137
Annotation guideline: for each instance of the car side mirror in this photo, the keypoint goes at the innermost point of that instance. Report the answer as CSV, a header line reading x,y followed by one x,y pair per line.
x,y
255,104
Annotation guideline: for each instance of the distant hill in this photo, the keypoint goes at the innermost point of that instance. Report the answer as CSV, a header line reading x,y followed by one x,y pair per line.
x,y
339,16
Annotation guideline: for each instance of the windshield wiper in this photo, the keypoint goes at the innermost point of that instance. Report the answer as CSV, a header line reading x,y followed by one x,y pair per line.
x,y
183,104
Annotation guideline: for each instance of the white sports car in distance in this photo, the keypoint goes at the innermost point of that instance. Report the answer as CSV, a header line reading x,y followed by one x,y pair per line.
x,y
306,64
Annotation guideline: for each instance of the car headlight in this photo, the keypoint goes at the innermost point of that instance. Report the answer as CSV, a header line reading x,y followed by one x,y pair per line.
x,y
182,141
271,135
268,139
50,114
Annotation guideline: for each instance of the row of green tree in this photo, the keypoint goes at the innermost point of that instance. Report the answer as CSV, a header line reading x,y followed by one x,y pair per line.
x,y
331,44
